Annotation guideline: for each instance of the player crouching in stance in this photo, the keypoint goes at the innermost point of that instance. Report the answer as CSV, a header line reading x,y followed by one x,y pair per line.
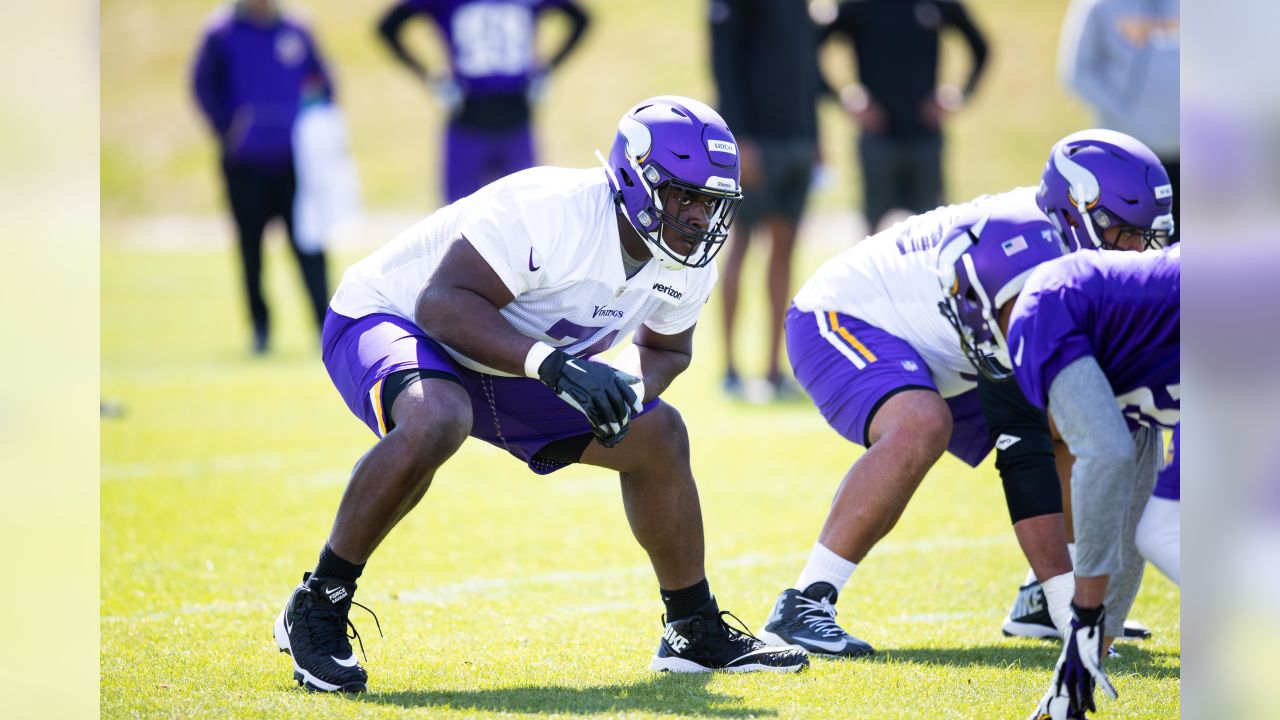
x,y
483,320
1093,339
866,341
1103,190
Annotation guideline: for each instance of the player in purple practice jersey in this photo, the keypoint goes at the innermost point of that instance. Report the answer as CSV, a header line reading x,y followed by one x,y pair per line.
x,y
1101,189
493,79
484,319
1093,338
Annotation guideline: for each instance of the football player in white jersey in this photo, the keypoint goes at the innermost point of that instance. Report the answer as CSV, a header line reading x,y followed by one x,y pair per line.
x,y
867,341
483,320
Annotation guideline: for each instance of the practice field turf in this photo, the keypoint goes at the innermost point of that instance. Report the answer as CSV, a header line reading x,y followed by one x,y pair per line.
x,y
505,593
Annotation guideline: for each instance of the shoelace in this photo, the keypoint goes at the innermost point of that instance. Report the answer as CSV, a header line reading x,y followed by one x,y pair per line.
x,y
819,615
355,634
733,632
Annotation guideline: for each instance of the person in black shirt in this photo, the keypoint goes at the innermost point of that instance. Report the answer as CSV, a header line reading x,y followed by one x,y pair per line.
x,y
764,56
899,107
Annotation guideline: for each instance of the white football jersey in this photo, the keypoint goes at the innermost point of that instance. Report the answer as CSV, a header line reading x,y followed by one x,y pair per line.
x,y
890,280
551,235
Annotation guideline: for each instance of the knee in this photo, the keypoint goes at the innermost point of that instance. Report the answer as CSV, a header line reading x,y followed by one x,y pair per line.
x,y
435,426
920,425
673,436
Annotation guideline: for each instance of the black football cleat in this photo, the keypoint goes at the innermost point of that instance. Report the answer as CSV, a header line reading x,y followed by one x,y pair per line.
x,y
312,629
704,642
1030,618
808,619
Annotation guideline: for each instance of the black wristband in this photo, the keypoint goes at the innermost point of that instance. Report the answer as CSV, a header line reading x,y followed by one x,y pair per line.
x,y
550,369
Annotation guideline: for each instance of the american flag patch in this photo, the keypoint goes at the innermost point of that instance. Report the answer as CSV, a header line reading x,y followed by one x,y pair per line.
x,y
1014,245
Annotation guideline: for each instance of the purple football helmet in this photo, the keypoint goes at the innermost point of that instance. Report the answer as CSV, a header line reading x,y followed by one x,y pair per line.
x,y
671,144
983,262
1098,179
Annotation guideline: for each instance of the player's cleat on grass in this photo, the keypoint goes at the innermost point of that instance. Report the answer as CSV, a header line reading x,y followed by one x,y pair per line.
x,y
704,642
312,629
1030,618
808,619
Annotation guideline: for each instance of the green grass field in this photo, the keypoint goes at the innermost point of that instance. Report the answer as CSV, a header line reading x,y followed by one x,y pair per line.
x,y
505,593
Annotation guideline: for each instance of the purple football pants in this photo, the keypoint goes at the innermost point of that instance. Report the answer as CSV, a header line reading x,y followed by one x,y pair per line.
x,y
850,368
474,158
519,415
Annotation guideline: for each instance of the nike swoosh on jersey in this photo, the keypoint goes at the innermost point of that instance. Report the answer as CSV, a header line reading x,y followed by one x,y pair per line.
x,y
1017,359
532,268
349,662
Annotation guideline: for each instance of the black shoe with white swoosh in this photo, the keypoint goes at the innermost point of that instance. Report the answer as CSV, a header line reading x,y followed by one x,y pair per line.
x,y
312,629
808,619
1030,618
704,642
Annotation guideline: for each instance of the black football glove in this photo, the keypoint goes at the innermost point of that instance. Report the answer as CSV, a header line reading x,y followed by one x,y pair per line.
x,y
600,392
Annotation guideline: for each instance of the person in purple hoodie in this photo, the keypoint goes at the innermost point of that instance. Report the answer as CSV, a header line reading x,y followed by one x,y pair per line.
x,y
493,79
1093,339
253,71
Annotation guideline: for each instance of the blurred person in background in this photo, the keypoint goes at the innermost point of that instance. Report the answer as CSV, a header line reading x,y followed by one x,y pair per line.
x,y
252,73
485,320
1122,58
764,56
899,107
254,68
493,80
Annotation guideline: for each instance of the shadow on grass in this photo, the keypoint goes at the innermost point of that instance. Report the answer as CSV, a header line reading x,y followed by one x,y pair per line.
x,y
668,693
1134,658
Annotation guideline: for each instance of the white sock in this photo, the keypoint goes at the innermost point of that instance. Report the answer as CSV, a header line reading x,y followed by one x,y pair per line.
x,y
1058,591
1071,550
1031,577
825,566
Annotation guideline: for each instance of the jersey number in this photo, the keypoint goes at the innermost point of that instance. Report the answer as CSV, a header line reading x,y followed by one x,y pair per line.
x,y
1141,405
564,330
492,39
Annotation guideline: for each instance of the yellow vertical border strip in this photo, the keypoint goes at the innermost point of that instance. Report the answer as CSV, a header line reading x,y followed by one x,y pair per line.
x,y
853,341
375,399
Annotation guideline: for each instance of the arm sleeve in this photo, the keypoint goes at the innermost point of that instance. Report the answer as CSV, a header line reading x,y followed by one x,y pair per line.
x,y
730,20
1102,479
389,29
209,83
959,18
1082,56
1024,450
579,20
675,319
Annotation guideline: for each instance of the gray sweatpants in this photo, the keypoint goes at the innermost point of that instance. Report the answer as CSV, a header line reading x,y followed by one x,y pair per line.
x,y
1111,481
